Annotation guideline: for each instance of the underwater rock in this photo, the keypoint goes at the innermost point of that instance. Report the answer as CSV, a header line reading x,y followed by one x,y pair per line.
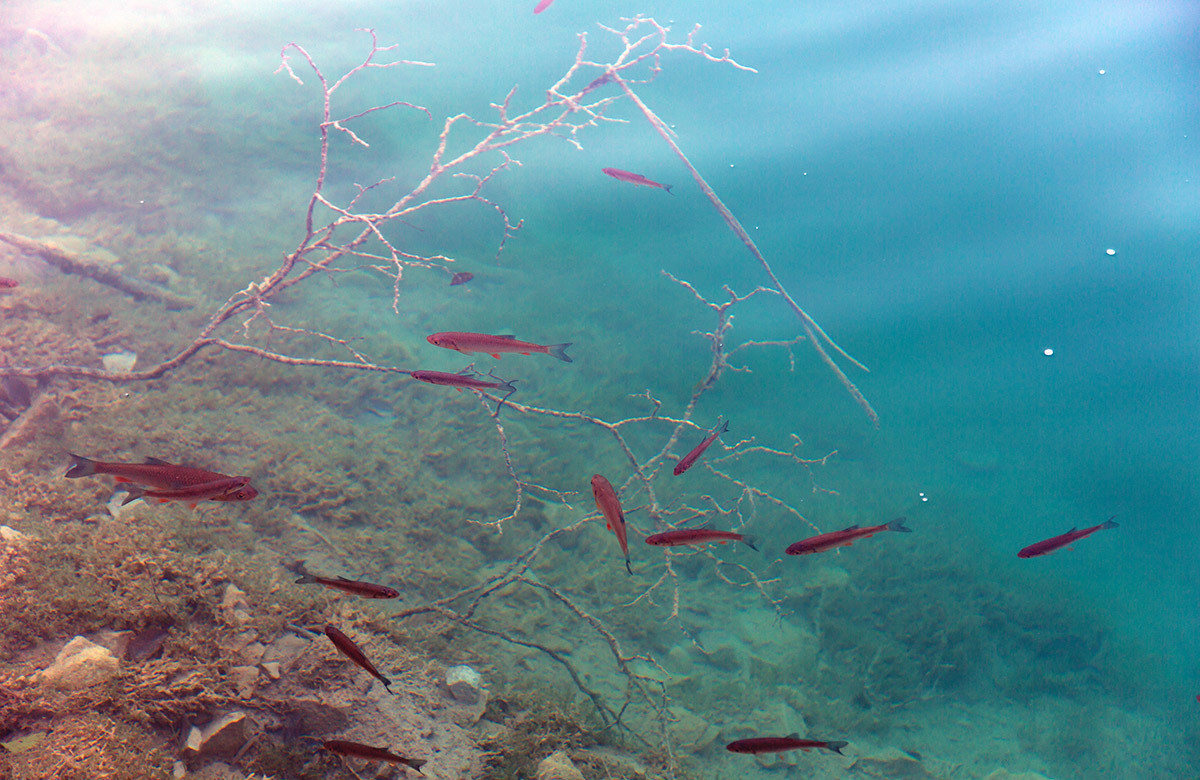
x,y
690,731
558,766
81,664
465,684
119,362
235,610
286,651
245,678
222,737
891,764
13,537
272,669
1004,774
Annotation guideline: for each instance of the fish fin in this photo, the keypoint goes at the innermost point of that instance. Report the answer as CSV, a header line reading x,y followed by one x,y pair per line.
x,y
836,746
306,579
559,351
134,493
668,187
121,479
898,525
157,462
417,763
192,505
162,500
607,525
749,542
851,528
525,353
80,467
505,336
493,354
793,735
1074,528
628,568
1108,524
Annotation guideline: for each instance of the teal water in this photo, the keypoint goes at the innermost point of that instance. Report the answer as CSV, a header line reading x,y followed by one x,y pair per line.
x,y
951,189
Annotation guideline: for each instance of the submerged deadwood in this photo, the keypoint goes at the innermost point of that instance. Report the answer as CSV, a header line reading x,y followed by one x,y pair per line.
x,y
635,53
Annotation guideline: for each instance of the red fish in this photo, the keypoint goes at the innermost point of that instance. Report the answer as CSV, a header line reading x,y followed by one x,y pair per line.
x,y
614,517
153,473
682,536
461,380
359,750
780,744
689,460
542,6
1062,540
462,277
228,489
494,345
368,590
346,646
8,284
843,538
635,178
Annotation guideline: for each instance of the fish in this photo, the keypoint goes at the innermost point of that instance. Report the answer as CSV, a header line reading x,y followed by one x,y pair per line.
x,y
467,379
228,489
153,473
614,517
542,6
346,647
843,538
636,178
494,345
462,277
461,380
8,284
368,590
359,750
780,744
1062,540
689,460
682,536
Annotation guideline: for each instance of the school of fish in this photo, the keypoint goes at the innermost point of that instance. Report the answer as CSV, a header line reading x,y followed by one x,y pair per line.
x,y
163,482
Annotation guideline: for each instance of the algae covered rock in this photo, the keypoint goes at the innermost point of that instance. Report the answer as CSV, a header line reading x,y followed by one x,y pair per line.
x,y
81,664
558,766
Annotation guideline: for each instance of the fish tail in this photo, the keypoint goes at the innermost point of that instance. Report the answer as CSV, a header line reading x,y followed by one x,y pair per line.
x,y
837,745
749,541
559,351
1108,524
134,493
306,579
628,568
668,187
898,525
416,763
80,467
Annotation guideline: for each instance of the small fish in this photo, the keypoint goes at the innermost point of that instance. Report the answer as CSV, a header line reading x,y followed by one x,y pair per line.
x,y
780,744
462,277
682,536
228,489
461,380
154,473
359,750
8,284
1062,540
843,538
635,178
689,460
542,6
614,517
346,646
368,590
494,345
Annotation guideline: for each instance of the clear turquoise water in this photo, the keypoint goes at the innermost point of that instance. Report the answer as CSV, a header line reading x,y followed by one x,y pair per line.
x,y
939,184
